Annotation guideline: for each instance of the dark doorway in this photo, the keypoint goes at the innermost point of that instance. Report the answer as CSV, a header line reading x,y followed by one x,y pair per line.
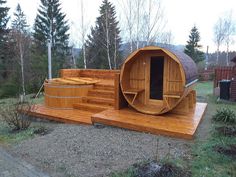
x,y
156,78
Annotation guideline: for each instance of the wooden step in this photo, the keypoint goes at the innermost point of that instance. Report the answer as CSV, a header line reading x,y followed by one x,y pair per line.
x,y
94,108
101,93
99,86
97,100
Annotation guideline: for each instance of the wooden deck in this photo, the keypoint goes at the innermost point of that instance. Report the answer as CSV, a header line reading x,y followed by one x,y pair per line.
x,y
180,126
62,115
174,125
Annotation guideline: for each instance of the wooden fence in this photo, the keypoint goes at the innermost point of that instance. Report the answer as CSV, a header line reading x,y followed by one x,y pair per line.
x,y
221,73
206,75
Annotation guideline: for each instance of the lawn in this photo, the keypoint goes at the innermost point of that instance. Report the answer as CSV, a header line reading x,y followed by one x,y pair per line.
x,y
204,89
206,161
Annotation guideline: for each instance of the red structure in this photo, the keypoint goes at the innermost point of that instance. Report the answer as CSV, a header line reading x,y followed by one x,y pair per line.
x,y
233,83
227,73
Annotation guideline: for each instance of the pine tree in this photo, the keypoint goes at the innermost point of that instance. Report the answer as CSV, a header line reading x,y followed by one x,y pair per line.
x,y
21,38
103,44
193,46
20,23
3,39
50,23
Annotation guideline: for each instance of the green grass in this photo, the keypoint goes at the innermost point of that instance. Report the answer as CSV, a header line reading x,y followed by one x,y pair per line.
x,y
207,162
204,88
127,173
9,137
8,101
6,135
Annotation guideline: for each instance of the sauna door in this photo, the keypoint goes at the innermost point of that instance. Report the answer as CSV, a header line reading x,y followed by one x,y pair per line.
x,y
156,77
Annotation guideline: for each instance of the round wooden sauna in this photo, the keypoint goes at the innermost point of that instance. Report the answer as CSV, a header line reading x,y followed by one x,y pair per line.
x,y
63,93
155,80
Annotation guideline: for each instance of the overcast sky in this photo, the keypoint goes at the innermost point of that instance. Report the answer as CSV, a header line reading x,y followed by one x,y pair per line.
x,y
181,15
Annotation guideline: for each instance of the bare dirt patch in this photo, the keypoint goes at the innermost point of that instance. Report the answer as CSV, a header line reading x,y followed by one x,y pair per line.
x,y
226,131
42,131
230,150
153,169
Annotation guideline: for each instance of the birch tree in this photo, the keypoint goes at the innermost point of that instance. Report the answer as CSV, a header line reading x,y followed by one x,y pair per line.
x,y
153,21
138,5
21,38
128,7
83,33
229,30
224,29
219,36
166,38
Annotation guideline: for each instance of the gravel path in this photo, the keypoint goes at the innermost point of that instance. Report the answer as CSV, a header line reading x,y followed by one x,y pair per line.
x,y
13,167
87,151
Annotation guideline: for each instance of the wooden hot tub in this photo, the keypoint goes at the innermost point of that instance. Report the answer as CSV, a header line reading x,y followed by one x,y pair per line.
x,y
62,93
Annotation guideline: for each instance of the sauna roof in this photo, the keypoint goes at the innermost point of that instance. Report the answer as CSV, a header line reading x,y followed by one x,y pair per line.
x,y
188,65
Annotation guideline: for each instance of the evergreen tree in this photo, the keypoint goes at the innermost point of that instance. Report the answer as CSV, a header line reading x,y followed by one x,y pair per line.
x,y
103,44
193,46
50,23
20,23
3,39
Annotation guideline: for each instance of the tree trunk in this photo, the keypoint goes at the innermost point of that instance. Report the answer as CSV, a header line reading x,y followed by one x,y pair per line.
x,y
84,57
138,23
115,52
107,41
227,53
73,58
83,35
22,68
217,55
149,22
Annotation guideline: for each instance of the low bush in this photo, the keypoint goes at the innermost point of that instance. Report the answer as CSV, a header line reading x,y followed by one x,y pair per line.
x,y
225,115
41,130
226,131
16,115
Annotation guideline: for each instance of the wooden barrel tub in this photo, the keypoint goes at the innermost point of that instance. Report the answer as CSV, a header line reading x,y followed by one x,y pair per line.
x,y
63,93
155,80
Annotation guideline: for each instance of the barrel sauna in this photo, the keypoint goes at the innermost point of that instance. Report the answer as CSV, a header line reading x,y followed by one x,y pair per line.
x,y
62,93
156,80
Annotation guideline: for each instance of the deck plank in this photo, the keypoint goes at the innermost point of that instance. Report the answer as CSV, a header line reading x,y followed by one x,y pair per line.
x,y
180,126
66,116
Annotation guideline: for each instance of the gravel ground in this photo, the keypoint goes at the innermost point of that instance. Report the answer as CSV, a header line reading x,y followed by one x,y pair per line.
x,y
87,151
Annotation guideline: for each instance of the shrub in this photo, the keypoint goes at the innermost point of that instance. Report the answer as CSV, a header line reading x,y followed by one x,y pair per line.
x,y
8,89
16,115
41,130
225,115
